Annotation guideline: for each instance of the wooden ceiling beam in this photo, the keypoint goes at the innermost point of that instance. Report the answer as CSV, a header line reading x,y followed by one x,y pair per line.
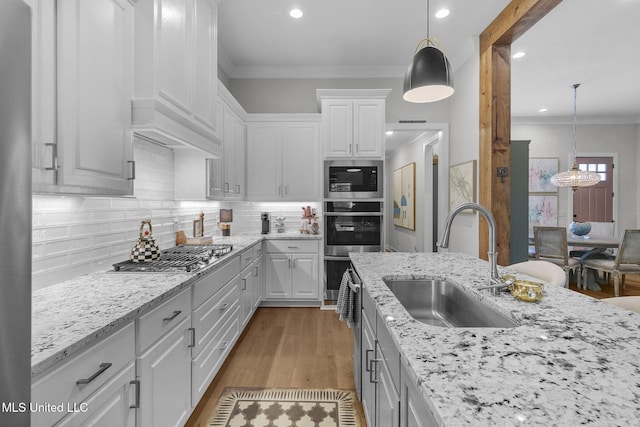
x,y
495,115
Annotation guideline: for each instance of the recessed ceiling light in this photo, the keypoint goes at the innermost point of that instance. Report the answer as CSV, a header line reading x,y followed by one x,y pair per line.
x,y
442,13
295,13
518,55
389,132
543,110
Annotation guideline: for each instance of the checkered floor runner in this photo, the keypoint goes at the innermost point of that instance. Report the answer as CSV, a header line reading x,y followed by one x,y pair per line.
x,y
245,407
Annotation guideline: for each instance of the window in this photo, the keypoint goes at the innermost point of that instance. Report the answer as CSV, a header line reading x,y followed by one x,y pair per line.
x,y
600,168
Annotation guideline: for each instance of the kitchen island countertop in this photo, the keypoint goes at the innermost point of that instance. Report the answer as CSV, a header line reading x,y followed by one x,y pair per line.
x,y
573,360
69,316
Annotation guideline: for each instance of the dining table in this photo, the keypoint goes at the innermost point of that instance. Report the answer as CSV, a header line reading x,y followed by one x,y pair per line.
x,y
593,245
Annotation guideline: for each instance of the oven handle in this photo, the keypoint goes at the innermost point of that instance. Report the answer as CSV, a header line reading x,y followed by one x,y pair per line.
x,y
353,214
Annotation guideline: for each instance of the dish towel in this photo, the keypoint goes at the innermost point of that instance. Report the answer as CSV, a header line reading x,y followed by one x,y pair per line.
x,y
346,300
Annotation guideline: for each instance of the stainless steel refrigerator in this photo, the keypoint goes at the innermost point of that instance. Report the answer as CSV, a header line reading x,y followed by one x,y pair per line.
x,y
15,213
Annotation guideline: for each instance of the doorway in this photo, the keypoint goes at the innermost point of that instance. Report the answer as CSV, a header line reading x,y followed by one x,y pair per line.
x,y
595,203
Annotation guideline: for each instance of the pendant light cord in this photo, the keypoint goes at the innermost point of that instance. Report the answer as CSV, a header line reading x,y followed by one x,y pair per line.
x,y
427,19
575,114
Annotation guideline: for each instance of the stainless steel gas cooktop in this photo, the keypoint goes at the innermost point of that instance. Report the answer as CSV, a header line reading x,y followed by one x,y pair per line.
x,y
183,258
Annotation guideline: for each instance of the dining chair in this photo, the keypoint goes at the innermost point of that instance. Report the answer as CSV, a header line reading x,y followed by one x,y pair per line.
x,y
544,270
627,261
551,245
631,303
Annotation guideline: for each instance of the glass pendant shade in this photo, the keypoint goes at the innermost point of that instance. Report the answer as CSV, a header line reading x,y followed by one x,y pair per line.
x,y
575,178
428,77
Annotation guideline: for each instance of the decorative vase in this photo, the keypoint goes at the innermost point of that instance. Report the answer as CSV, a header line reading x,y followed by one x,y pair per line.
x,y
580,228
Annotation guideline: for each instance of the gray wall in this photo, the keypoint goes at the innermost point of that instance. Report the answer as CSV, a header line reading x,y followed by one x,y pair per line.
x,y
555,140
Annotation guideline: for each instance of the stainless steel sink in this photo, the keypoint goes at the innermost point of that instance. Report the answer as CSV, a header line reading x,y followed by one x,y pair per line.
x,y
442,303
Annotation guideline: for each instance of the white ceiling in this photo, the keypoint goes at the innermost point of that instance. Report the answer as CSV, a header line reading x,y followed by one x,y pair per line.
x,y
592,42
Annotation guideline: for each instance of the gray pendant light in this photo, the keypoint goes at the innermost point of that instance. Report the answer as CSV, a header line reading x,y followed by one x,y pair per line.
x,y
574,177
429,77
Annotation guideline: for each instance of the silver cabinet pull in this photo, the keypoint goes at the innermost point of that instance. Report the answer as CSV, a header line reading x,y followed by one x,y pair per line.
x,y
132,169
193,337
286,189
54,156
289,262
349,148
244,284
294,263
103,367
357,148
367,362
223,307
175,314
226,187
293,248
224,346
373,373
136,383
237,188
255,272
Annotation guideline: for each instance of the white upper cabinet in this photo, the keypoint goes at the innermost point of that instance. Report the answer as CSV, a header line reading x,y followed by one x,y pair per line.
x,y
353,122
82,117
175,81
282,161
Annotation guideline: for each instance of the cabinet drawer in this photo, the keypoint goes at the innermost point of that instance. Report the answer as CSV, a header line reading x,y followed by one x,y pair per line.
x,y
214,312
247,257
390,353
211,283
92,368
292,246
206,365
161,320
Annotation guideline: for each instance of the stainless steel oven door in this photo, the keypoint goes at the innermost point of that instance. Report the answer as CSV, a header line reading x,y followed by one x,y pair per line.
x,y
352,232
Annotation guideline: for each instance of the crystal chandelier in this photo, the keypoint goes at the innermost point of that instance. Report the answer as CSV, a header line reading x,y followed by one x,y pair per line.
x,y
574,177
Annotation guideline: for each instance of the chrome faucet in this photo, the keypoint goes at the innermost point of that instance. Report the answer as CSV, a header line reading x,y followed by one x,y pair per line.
x,y
494,282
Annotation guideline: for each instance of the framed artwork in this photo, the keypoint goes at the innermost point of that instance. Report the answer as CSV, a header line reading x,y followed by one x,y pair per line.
x,y
462,184
404,196
540,172
543,210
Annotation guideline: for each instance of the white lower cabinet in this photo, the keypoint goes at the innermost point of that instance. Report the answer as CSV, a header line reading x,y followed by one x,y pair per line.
x,y
380,369
100,381
413,408
113,405
291,270
164,371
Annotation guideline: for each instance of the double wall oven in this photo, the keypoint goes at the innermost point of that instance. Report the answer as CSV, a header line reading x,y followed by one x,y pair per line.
x,y
353,216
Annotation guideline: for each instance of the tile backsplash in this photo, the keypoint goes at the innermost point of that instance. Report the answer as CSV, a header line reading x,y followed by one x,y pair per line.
x,y
75,235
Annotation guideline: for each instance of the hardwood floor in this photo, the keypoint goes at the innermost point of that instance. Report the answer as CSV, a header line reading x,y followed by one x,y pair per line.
x,y
285,347
631,287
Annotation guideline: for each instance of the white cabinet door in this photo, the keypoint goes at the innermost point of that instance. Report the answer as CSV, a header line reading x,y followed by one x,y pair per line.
x,y
300,164
205,103
387,399
114,404
368,129
164,371
304,276
246,295
95,64
413,409
368,394
337,127
258,283
239,161
43,94
278,276
264,162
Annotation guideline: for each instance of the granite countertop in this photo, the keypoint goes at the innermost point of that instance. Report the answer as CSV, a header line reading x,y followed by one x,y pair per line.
x,y
71,315
573,360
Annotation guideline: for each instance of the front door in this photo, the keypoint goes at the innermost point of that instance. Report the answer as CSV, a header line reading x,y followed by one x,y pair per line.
x,y
595,203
